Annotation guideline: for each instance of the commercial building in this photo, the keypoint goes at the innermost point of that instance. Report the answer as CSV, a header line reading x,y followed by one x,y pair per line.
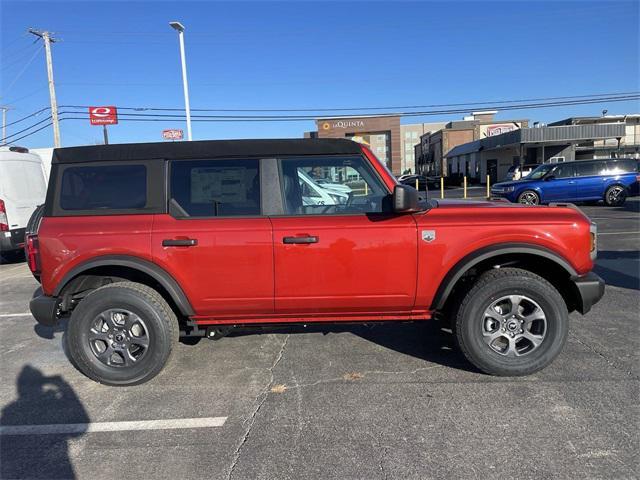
x,y
562,141
435,145
392,142
626,146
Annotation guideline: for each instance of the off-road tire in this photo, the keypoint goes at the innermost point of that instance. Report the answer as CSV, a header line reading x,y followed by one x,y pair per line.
x,y
145,302
493,285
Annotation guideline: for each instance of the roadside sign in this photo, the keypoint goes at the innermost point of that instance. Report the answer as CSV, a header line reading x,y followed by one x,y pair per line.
x,y
103,115
172,134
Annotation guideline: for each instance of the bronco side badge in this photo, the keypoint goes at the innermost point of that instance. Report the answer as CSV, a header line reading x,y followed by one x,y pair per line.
x,y
428,235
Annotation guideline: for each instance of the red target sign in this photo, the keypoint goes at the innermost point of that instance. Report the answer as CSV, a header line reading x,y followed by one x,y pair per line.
x,y
103,115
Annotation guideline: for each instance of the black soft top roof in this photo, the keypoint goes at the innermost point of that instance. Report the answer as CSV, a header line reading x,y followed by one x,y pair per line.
x,y
206,149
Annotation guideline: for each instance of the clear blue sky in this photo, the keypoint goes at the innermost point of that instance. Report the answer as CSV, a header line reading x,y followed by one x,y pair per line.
x,y
314,54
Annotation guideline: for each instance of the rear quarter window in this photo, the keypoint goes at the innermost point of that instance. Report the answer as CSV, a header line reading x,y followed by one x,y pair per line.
x,y
112,187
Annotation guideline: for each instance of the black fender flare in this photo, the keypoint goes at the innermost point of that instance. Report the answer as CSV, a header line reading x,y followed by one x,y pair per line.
x,y
145,266
474,258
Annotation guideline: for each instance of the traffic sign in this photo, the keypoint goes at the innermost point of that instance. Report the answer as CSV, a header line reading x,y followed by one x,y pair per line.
x,y
172,134
103,115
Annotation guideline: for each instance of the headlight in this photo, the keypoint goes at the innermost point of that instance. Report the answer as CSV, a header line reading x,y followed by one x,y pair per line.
x,y
508,189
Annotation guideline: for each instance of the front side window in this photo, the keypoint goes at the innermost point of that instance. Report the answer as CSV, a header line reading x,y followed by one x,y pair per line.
x,y
216,188
331,185
563,171
539,172
108,187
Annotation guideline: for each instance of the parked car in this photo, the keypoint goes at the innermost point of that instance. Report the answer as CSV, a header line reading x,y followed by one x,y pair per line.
x,y
141,243
424,181
22,189
610,180
516,172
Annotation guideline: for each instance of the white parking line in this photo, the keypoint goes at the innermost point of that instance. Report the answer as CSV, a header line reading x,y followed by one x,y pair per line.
x,y
65,428
619,233
25,314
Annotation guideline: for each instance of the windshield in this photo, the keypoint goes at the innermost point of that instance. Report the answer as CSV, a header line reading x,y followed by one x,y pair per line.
x,y
539,172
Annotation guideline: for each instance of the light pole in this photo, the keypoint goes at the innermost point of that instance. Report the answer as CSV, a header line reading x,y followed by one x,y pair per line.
x,y
180,29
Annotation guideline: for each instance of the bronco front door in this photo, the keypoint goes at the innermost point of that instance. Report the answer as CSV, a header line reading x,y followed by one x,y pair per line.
x,y
336,251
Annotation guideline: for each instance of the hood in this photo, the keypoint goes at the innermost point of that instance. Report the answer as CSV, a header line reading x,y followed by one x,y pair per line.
x,y
512,183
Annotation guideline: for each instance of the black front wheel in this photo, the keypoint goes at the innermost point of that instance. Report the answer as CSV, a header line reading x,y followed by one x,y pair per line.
x,y
529,197
512,322
122,334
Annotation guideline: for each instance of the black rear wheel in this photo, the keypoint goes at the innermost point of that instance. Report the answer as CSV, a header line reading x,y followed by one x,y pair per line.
x,y
615,196
122,334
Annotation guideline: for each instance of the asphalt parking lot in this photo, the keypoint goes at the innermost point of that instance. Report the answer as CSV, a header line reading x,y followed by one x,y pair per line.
x,y
385,401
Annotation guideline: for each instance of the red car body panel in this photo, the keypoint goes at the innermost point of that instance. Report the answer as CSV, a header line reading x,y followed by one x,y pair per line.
x,y
360,263
229,271
67,242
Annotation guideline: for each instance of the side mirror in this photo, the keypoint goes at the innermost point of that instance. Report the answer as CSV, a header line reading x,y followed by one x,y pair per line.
x,y
405,199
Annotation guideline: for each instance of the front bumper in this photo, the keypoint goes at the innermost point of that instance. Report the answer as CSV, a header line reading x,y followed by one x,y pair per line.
x,y
44,309
590,288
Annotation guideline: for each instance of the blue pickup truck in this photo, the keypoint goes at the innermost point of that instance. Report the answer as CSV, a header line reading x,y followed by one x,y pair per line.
x,y
611,180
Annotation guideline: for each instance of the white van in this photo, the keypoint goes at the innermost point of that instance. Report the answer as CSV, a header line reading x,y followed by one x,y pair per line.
x,y
22,188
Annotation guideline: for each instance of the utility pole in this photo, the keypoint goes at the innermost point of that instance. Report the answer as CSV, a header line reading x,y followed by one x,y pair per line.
x,y
46,37
4,125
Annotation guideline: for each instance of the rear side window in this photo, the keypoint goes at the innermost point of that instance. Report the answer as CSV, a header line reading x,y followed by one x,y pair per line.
x,y
588,168
112,187
615,167
216,188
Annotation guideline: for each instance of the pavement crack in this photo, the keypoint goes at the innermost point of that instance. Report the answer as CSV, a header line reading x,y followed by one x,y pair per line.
x,y
610,361
342,379
258,401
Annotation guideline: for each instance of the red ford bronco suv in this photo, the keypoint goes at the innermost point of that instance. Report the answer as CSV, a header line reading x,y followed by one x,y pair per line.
x,y
142,243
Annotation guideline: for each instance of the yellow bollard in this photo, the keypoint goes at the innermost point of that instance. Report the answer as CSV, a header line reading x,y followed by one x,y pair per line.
x,y
417,185
441,187
488,187
464,183
366,189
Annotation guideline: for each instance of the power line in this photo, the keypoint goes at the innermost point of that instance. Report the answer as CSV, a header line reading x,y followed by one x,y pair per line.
x,y
621,98
29,116
154,117
338,109
29,134
25,129
24,69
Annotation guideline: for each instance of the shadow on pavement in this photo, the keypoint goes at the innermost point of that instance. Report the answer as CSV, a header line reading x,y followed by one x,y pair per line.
x,y
619,268
42,400
425,340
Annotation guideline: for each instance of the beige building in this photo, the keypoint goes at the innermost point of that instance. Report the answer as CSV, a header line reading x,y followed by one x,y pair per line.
x,y
393,143
436,145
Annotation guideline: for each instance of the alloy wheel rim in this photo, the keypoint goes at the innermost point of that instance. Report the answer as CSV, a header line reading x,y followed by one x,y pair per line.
x,y
514,326
529,198
614,194
118,338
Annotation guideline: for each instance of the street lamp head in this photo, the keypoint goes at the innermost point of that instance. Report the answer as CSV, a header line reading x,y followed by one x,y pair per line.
x,y
177,26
